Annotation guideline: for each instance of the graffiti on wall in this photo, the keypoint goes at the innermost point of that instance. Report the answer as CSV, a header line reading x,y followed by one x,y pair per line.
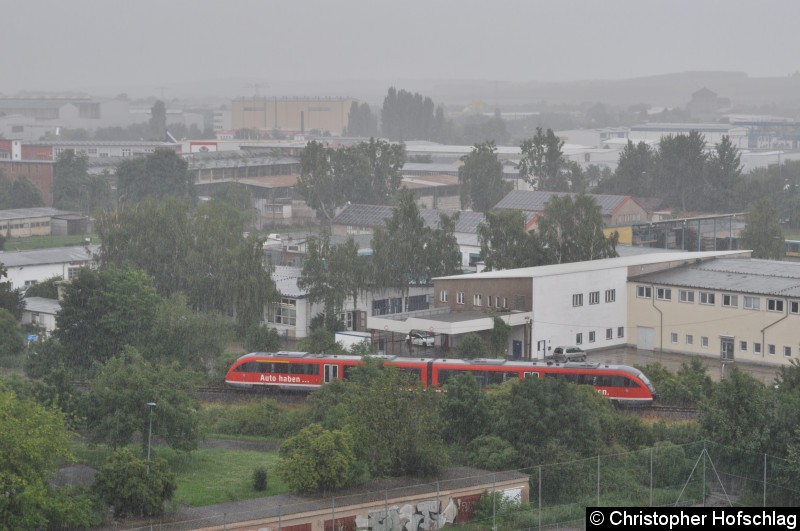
x,y
423,516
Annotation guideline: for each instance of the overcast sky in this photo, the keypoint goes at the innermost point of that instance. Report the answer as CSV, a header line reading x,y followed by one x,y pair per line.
x,y
90,44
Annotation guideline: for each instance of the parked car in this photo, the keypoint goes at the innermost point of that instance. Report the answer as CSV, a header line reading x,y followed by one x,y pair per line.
x,y
421,339
564,354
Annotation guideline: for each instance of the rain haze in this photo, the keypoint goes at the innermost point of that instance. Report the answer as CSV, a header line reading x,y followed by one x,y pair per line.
x,y
149,46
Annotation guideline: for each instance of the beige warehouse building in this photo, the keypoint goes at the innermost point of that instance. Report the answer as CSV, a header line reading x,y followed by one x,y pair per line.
x,y
298,115
732,308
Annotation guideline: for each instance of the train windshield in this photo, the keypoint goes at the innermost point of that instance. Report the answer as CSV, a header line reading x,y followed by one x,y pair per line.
x,y
643,378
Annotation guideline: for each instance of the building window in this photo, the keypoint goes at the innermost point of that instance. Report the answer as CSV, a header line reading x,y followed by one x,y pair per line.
x,y
594,297
577,299
774,305
706,297
72,272
644,292
611,295
664,294
794,307
579,338
591,337
489,301
704,341
621,331
505,302
787,351
771,349
609,333
686,295
477,300
460,297
443,295
752,303
689,339
284,312
497,302
756,348
520,300
673,337
730,301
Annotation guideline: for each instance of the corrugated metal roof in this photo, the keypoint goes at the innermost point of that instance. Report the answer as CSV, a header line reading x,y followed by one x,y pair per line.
x,y
536,201
42,305
22,213
596,265
285,278
763,277
55,255
376,216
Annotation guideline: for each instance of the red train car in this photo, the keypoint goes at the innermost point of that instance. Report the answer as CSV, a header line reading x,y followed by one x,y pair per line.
x,y
301,370
620,383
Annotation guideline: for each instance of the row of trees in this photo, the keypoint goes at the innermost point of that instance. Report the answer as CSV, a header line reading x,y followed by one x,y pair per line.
x,y
368,172
21,193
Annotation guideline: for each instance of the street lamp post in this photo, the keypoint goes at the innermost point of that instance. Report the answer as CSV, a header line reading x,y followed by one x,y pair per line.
x,y
151,405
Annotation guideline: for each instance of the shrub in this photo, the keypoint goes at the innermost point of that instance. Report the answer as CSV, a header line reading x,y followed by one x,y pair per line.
x,y
260,479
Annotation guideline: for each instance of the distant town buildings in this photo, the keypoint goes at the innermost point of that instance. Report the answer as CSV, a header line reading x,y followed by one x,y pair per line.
x,y
291,115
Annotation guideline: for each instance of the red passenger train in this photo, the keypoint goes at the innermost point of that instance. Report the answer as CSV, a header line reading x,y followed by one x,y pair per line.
x,y
302,370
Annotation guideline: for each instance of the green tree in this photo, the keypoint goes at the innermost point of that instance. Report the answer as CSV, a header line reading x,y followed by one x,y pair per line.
x,y
408,252
723,175
543,164
134,487
260,338
375,171
464,410
506,245
331,274
411,116
681,170
317,459
572,231
11,300
12,340
103,311
361,121
183,335
70,181
323,179
116,403
472,345
159,175
762,232
25,194
498,337
740,413
530,415
33,442
634,174
158,121
481,178
395,424
46,288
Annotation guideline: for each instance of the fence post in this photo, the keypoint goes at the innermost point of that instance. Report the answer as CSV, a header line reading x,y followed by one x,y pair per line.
x,y
333,512
651,476
540,497
765,480
494,501
598,480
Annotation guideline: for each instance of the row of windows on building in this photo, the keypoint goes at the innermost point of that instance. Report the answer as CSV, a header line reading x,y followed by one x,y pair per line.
x,y
5,226
491,301
727,300
594,297
592,335
285,311
744,345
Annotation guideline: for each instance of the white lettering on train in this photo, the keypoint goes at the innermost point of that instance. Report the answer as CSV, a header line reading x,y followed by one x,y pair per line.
x,y
271,378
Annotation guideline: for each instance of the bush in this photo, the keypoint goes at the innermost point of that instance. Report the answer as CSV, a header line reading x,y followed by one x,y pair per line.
x,y
262,339
260,479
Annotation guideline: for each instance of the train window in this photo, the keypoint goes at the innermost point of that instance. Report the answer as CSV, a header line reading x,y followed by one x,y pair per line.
x,y
414,372
250,366
280,368
603,380
498,377
303,368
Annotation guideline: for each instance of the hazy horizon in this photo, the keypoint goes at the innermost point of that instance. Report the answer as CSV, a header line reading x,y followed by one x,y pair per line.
x,y
150,47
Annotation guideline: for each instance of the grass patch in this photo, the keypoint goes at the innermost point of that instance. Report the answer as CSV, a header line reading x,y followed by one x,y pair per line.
x,y
206,476
210,476
43,242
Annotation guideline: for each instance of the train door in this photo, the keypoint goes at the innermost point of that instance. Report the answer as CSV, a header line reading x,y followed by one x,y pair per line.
x,y
331,373
726,348
517,349
531,375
